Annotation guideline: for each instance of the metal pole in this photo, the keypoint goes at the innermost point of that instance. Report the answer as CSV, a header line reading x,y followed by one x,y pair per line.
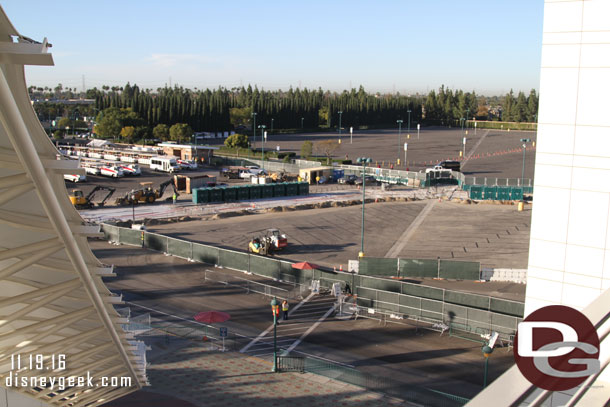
x,y
409,122
399,131
254,130
523,168
363,198
340,113
274,342
485,373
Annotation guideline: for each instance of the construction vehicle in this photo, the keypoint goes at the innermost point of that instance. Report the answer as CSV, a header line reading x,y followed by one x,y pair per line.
x,y
272,240
80,201
146,194
260,245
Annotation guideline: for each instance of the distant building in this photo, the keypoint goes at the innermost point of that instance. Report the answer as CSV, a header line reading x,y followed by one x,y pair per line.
x,y
188,151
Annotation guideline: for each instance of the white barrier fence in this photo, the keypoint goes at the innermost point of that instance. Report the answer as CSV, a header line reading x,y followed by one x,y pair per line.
x,y
514,275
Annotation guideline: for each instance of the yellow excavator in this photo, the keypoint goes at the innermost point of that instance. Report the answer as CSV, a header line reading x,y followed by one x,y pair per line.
x,y
146,194
82,201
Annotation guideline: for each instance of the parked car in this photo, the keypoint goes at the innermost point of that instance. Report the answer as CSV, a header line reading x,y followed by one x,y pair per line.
x,y
369,179
348,179
75,178
187,164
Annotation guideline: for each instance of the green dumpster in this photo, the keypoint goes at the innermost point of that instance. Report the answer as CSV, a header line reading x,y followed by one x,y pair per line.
x,y
279,189
303,188
216,194
292,188
201,195
476,192
255,191
503,194
490,193
516,194
229,194
243,192
267,191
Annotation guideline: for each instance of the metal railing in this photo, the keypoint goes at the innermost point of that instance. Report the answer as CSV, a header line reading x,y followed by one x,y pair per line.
x,y
254,286
386,385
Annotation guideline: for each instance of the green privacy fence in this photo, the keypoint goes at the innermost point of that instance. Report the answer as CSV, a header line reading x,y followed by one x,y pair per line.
x,y
460,270
411,300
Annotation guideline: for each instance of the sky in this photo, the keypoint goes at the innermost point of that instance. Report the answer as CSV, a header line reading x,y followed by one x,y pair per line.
x,y
386,46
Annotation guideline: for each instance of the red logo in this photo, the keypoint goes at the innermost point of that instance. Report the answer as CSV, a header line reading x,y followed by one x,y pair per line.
x,y
556,348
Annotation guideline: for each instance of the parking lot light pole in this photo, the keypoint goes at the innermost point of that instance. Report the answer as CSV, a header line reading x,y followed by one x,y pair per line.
x,y
263,127
272,125
275,305
364,161
340,113
254,130
409,121
487,351
523,140
302,118
462,123
399,129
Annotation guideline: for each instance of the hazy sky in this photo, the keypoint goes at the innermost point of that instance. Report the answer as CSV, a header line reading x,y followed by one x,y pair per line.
x,y
407,46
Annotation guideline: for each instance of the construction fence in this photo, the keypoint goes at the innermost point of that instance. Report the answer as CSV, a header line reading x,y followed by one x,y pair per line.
x,y
421,268
410,300
394,176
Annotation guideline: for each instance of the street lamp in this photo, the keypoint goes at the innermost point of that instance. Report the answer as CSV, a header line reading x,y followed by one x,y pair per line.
x,y
409,122
523,140
467,113
263,136
340,113
487,351
462,123
399,129
364,161
254,130
275,309
271,125
302,118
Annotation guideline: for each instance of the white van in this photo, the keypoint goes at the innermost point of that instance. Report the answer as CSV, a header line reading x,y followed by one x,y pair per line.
x,y
165,164
111,171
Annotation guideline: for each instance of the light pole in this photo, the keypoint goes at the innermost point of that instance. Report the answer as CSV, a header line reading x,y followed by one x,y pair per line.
x,y
272,125
487,351
523,140
275,308
364,161
467,113
340,113
302,118
133,208
399,129
462,123
409,122
254,130
263,134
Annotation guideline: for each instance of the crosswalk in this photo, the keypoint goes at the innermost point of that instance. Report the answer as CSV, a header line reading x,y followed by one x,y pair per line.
x,y
303,319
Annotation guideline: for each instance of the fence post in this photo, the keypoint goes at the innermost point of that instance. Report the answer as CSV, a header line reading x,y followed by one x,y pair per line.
x,y
438,270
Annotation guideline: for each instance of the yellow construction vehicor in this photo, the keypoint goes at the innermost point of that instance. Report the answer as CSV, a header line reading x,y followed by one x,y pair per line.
x,y
81,201
260,245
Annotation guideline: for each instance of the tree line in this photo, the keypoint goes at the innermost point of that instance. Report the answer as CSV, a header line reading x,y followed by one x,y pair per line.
x,y
228,109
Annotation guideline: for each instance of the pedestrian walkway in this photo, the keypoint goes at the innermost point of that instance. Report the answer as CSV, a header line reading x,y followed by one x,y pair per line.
x,y
303,318
186,374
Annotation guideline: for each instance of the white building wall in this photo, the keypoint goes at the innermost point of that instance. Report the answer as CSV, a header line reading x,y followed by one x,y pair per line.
x,y
569,257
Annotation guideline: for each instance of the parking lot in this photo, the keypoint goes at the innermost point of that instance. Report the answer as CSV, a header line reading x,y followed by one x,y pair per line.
x,y
397,351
